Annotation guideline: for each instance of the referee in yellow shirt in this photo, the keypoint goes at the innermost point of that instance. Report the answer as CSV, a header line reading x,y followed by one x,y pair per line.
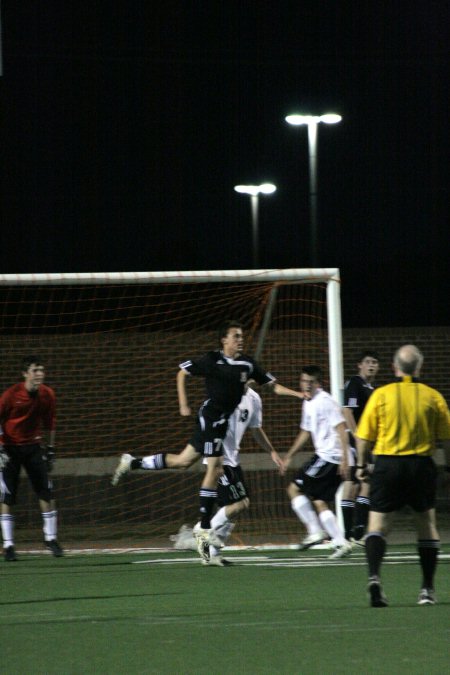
x,y
401,424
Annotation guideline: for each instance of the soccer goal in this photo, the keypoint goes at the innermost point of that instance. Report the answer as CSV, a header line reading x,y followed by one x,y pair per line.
x,y
111,344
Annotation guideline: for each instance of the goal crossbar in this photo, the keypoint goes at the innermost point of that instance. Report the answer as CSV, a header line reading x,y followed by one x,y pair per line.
x,y
293,274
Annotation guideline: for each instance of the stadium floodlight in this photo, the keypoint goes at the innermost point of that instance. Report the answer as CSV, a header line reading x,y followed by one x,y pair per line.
x,y
312,122
254,191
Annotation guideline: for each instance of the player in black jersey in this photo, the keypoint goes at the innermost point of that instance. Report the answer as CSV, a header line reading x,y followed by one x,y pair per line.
x,y
226,372
357,391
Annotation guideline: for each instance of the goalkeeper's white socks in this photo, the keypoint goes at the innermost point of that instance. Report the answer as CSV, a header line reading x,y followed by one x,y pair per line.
x,y
50,525
7,523
306,513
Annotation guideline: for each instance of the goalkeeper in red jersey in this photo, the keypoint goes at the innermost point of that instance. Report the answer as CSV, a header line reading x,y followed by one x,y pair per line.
x,y
27,419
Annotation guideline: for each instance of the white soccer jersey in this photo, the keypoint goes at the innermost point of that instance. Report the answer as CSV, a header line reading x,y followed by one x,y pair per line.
x,y
248,414
320,416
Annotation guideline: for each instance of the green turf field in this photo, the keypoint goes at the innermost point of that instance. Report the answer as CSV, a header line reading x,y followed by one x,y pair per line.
x,y
274,612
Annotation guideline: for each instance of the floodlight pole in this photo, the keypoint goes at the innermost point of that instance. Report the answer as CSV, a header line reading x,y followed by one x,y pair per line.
x,y
312,155
254,191
312,121
254,202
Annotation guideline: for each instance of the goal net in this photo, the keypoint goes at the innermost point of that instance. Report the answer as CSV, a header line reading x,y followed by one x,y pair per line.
x,y
111,345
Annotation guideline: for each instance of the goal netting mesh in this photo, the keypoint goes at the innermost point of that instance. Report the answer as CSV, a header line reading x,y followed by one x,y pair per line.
x,y
111,348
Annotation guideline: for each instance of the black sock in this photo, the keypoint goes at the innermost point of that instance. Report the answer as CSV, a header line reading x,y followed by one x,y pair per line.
x,y
375,549
348,510
208,499
361,518
428,550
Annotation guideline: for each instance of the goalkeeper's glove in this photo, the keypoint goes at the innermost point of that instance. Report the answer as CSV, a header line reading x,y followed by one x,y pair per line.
x,y
49,457
4,458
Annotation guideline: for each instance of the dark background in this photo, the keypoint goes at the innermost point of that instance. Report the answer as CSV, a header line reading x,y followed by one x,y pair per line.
x,y
125,126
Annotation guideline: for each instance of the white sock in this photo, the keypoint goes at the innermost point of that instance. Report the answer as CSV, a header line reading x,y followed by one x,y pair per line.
x,y
221,524
331,525
305,512
219,519
50,524
154,462
7,523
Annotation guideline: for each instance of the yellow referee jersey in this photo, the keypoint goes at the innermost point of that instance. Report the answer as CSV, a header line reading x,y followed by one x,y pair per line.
x,y
405,418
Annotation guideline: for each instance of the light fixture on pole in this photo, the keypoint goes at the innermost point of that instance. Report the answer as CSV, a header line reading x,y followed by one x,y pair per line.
x,y
312,122
254,191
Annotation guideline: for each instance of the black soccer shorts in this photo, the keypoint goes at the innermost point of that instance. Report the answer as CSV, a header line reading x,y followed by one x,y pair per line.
x,y
409,480
231,486
209,432
30,457
318,479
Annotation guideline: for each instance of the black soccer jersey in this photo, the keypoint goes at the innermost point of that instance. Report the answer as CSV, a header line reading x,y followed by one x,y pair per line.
x,y
356,394
225,378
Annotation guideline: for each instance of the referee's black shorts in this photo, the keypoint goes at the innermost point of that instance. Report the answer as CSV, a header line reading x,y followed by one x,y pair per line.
x,y
409,480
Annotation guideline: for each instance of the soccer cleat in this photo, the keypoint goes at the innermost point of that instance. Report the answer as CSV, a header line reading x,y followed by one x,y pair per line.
x,y
217,561
426,597
55,548
202,539
376,596
213,537
9,554
358,543
311,540
123,467
342,551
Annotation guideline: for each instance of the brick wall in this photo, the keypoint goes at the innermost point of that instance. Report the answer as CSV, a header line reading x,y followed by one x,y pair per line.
x,y
433,342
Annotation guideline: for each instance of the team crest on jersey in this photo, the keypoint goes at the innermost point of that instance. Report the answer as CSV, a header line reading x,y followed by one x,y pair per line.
x,y
243,376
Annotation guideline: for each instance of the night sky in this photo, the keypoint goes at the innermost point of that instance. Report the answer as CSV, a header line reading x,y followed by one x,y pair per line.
x,y
125,126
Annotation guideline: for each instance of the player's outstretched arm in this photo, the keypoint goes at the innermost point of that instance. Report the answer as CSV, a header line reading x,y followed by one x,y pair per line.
x,y
280,390
182,395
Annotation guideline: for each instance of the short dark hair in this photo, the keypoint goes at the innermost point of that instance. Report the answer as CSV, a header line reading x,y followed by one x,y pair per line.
x,y
313,371
27,361
368,353
225,327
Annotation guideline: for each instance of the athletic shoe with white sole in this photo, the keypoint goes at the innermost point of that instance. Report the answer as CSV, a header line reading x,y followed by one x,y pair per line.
x,y
342,551
311,540
123,467
202,539
358,543
426,597
376,596
213,537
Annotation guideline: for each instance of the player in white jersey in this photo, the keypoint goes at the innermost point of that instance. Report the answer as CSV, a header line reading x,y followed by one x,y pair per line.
x,y
318,479
232,492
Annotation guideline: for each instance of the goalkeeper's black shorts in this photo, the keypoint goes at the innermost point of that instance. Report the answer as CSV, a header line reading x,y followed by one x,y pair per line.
x,y
30,457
